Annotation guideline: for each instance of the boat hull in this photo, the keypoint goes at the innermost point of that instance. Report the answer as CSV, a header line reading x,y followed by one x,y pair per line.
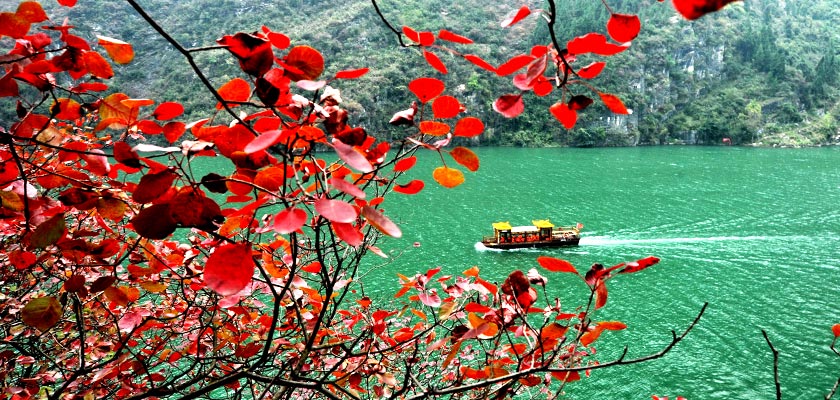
x,y
537,244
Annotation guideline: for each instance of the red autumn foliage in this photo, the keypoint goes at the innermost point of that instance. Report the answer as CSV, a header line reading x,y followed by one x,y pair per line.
x,y
134,278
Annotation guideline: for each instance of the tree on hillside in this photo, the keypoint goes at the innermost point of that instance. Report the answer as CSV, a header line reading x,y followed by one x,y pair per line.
x,y
125,275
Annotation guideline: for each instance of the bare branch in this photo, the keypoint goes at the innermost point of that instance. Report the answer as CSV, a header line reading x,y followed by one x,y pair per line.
x,y
775,365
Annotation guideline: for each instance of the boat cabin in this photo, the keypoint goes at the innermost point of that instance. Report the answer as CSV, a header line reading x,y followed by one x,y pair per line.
x,y
541,233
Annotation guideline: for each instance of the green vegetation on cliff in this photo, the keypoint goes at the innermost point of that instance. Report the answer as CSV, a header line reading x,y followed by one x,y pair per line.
x,y
759,72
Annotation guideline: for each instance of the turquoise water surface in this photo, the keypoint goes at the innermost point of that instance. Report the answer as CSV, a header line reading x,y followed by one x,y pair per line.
x,y
753,232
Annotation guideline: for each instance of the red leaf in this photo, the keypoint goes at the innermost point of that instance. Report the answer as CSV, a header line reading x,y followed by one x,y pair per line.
x,y
307,60
97,65
74,284
835,329
453,37
22,259
543,87
592,70
278,40
254,52
263,141
446,107
67,109
556,265
49,232
351,73
579,102
313,268
612,325
639,265
568,376
123,154
405,164
434,128
623,27
600,294
591,336
479,62
13,25
336,210
236,90
8,170
523,12
172,131
411,34
149,127
8,85
553,331
594,43
426,88
427,38
229,269
168,110
347,187
289,220
102,283
351,156
434,61
90,86
119,51
42,313
153,185
448,177
404,117
310,85
348,233
564,114
117,295
693,9
31,11
476,308
613,103
468,127
465,157
514,64
412,187
509,105
379,221
154,222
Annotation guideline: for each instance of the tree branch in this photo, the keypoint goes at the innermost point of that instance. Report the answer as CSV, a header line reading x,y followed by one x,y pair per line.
x,y
388,24
188,55
775,365
515,375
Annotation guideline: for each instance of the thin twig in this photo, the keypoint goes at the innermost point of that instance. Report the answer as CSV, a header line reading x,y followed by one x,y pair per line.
x,y
516,375
388,24
775,365
186,53
833,390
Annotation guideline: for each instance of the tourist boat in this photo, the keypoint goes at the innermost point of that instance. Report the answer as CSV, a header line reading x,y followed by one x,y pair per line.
x,y
541,234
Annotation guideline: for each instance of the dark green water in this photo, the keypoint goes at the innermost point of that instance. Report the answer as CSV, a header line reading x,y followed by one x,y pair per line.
x,y
754,232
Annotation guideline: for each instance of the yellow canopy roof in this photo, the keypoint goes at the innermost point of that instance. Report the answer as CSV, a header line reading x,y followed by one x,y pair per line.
x,y
501,226
542,223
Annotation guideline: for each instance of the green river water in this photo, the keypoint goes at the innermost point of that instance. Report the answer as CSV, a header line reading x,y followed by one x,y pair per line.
x,y
753,232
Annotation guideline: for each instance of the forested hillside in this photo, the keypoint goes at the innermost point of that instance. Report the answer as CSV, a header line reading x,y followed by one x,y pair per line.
x,y
761,71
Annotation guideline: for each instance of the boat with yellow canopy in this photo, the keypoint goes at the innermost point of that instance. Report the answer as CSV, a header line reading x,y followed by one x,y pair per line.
x,y
542,233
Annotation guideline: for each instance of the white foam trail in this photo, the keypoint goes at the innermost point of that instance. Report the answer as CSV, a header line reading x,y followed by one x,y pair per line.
x,y
608,241
481,247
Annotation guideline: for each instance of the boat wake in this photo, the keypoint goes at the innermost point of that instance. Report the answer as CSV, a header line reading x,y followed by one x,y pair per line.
x,y
609,241
481,247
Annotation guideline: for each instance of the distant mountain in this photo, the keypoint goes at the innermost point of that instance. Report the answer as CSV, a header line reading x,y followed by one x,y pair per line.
x,y
760,71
